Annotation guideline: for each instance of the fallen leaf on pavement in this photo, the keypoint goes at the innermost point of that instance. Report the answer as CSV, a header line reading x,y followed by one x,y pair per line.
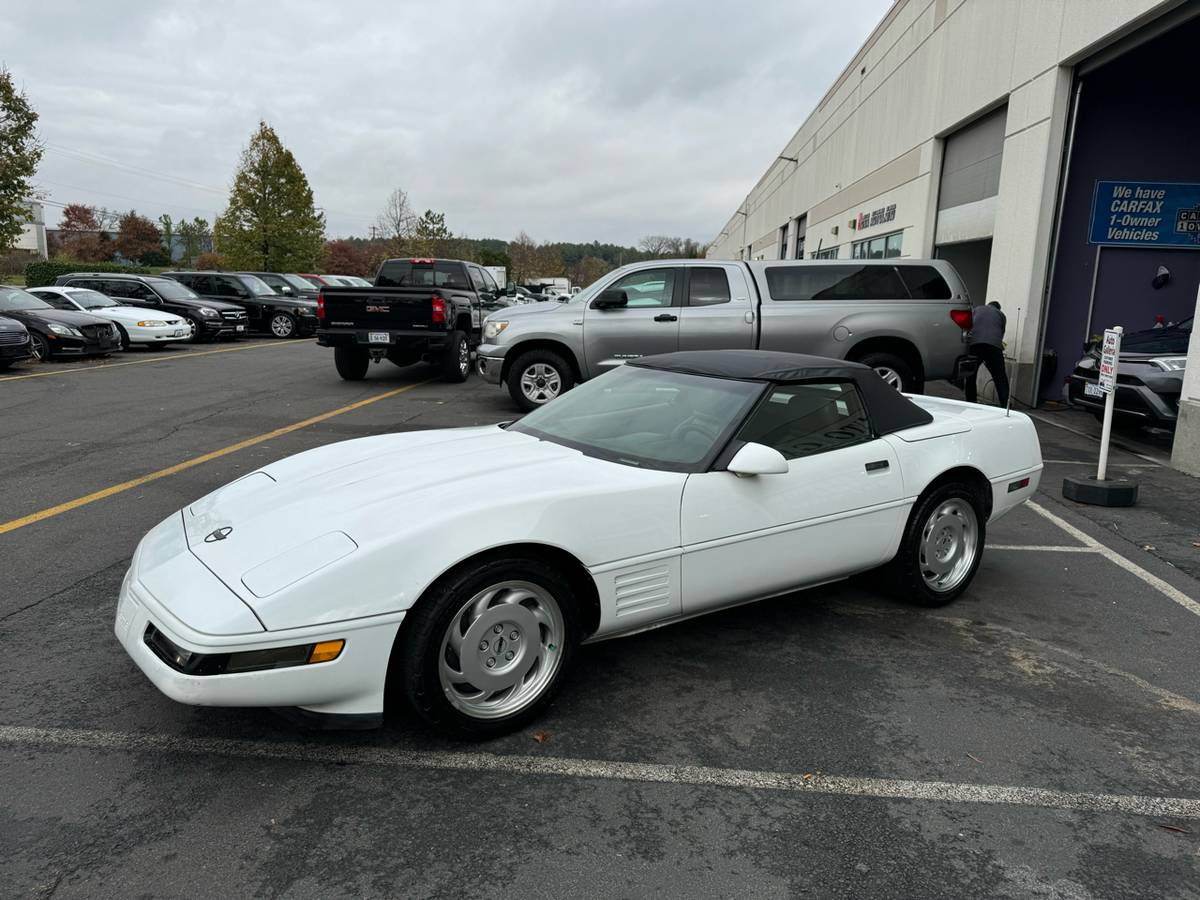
x,y
1174,828
1196,543
974,757
541,736
1149,547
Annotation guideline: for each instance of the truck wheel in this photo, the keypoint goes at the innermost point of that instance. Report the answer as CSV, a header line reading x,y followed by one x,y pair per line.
x,y
537,377
487,648
942,546
892,369
456,359
351,362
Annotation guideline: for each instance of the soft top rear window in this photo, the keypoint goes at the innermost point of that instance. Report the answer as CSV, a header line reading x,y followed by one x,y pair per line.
x,y
835,282
405,273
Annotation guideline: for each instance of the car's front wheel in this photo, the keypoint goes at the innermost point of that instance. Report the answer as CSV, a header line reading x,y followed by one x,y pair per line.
x,y
942,545
283,325
537,377
39,347
486,649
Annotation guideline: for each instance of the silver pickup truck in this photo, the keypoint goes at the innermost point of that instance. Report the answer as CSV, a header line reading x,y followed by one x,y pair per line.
x,y
903,317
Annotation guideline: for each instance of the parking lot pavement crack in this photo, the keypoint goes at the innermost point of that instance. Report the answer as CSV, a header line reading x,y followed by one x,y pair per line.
x,y
70,587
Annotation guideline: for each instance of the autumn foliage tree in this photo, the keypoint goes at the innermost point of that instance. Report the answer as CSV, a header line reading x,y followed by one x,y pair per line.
x,y
137,236
79,234
346,258
270,223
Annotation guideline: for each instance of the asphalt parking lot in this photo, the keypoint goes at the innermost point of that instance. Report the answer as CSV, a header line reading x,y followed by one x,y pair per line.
x,y
1038,738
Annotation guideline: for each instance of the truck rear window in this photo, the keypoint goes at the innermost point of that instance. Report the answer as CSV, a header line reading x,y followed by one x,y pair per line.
x,y
924,282
403,273
835,282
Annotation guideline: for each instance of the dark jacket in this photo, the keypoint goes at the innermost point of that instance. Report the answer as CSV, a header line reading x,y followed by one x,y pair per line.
x,y
987,326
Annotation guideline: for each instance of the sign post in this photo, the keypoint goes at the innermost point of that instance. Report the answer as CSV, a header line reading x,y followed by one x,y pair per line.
x,y
1099,491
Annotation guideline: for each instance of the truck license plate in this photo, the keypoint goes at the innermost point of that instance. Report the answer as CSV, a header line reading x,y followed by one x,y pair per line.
x,y
1092,390
379,337
241,328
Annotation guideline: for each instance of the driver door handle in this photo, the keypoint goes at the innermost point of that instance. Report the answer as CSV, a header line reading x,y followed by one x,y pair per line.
x,y
666,317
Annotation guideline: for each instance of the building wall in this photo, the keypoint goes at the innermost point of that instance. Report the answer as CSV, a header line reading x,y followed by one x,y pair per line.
x,y
33,235
876,137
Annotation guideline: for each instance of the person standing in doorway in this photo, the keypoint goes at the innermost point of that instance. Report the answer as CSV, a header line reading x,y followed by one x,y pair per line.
x,y
985,342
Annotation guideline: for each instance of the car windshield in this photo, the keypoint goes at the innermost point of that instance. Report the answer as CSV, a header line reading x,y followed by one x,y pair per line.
x,y
297,283
1170,339
255,284
91,299
645,417
172,290
15,298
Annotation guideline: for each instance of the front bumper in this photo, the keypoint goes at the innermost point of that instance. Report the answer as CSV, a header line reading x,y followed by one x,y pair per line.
x,y
1135,399
351,685
13,352
490,362
161,334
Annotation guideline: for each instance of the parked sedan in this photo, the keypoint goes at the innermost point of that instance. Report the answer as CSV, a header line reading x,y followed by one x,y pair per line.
x,y
281,316
57,333
137,326
1149,377
14,342
668,487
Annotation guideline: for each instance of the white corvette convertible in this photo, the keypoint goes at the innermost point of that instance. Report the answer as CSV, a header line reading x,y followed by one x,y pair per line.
x,y
461,568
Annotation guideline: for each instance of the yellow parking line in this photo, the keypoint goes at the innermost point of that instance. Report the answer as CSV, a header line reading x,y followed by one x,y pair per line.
x,y
14,524
155,359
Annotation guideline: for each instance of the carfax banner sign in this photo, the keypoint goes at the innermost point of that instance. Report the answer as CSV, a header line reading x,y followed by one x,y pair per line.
x,y
1146,214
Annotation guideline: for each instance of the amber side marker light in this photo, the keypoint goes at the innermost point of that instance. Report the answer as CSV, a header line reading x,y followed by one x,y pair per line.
x,y
326,651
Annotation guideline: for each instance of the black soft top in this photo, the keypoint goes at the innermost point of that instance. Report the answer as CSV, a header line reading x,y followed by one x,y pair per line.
x,y
888,409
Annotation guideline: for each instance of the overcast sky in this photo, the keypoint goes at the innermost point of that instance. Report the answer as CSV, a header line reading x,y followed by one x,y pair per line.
x,y
572,121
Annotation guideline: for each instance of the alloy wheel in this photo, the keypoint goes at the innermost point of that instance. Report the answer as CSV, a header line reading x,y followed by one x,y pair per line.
x,y
464,359
949,545
38,347
501,650
891,376
541,383
282,326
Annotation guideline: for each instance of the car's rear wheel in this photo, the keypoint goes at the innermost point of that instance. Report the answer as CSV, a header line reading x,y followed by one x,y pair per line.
x,y
942,545
351,362
537,377
283,325
892,369
39,347
485,651
456,358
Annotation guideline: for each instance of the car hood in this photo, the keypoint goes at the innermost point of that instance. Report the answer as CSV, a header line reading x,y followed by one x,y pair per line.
x,y
61,316
284,537
133,314
11,325
519,310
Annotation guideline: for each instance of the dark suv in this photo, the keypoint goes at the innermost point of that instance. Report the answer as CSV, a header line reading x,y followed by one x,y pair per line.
x,y
287,285
209,319
276,314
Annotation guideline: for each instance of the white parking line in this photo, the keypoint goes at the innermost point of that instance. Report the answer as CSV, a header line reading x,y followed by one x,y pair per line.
x,y
1057,549
658,773
1170,591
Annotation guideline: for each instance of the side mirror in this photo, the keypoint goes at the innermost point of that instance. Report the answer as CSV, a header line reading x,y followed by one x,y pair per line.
x,y
757,459
510,290
611,299
287,290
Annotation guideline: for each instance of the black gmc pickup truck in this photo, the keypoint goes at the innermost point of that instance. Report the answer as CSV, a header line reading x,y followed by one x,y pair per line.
x,y
418,309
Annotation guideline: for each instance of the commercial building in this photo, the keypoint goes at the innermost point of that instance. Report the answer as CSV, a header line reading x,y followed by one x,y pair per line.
x,y
1047,148
32,240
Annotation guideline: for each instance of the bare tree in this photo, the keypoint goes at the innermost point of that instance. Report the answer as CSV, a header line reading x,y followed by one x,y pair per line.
x,y
396,222
658,245
523,252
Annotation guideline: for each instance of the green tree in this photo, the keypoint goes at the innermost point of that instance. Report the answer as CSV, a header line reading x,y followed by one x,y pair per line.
x,y
167,226
430,236
270,222
20,153
195,238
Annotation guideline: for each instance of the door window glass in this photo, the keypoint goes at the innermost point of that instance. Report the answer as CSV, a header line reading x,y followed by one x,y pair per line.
x,y
647,288
708,286
835,282
224,287
476,278
803,419
489,283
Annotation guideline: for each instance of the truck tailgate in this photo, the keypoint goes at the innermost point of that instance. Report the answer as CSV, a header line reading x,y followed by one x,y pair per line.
x,y
382,309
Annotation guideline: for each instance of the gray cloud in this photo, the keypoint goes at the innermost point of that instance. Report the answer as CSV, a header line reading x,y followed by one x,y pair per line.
x,y
572,121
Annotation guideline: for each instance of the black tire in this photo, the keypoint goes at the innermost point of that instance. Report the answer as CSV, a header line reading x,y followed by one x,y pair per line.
x,y
352,362
282,325
530,360
5,364
890,362
456,358
124,336
908,569
40,347
415,662
197,330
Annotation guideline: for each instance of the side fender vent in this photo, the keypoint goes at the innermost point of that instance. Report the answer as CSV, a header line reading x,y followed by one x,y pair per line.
x,y
642,589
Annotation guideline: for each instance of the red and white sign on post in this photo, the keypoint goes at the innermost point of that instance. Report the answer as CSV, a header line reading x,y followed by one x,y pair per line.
x,y
1109,354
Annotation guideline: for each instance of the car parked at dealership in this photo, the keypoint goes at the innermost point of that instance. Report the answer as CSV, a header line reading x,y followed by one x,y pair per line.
x,y
281,316
210,319
14,342
1149,377
286,285
905,318
670,487
418,309
56,333
138,327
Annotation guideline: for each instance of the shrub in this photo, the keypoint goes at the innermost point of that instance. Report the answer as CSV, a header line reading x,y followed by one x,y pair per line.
x,y
41,273
156,258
